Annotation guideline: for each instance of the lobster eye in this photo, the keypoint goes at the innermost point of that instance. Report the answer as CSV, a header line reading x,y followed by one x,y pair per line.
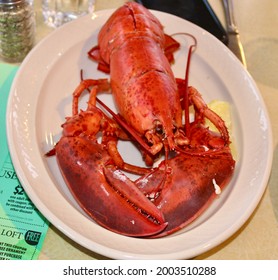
x,y
159,129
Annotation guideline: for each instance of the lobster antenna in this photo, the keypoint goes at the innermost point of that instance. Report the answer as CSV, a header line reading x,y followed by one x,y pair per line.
x,y
118,118
192,48
185,97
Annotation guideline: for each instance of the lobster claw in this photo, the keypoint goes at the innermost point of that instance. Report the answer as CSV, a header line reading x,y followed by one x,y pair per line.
x,y
112,203
190,186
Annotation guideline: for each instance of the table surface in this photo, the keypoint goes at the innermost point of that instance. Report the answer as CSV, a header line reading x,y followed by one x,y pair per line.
x,y
258,237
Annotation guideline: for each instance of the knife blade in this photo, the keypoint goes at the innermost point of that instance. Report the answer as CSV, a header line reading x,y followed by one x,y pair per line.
x,y
234,43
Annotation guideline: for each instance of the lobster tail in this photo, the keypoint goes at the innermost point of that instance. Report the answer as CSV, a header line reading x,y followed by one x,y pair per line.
x,y
132,44
129,20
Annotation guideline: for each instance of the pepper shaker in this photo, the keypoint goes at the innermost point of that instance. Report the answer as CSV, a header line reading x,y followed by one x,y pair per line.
x,y
17,29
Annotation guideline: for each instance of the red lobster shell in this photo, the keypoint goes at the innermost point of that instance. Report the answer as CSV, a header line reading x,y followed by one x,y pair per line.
x,y
134,49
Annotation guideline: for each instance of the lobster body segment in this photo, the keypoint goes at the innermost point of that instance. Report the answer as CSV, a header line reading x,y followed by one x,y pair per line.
x,y
197,162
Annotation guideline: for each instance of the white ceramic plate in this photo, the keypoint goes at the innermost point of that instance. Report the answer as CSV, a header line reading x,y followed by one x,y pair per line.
x,y
40,99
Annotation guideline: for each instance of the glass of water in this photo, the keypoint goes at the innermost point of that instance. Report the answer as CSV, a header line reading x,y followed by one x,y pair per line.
x,y
58,12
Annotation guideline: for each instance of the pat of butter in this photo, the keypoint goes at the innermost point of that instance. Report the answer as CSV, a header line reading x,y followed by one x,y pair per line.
x,y
222,108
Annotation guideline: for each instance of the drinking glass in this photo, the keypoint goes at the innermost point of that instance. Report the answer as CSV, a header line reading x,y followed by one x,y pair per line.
x,y
58,12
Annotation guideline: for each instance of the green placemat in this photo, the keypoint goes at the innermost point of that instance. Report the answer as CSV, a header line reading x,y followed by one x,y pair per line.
x,y
22,227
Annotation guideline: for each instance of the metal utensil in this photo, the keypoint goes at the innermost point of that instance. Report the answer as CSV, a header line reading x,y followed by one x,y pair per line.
x,y
234,43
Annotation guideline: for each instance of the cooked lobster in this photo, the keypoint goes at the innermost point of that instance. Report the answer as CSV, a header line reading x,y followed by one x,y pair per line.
x,y
197,163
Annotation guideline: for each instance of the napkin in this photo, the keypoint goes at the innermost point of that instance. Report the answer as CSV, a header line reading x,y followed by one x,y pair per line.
x,y
22,226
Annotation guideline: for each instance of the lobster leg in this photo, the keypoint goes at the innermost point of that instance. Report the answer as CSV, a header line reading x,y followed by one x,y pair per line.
x,y
98,86
201,107
114,206
202,110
